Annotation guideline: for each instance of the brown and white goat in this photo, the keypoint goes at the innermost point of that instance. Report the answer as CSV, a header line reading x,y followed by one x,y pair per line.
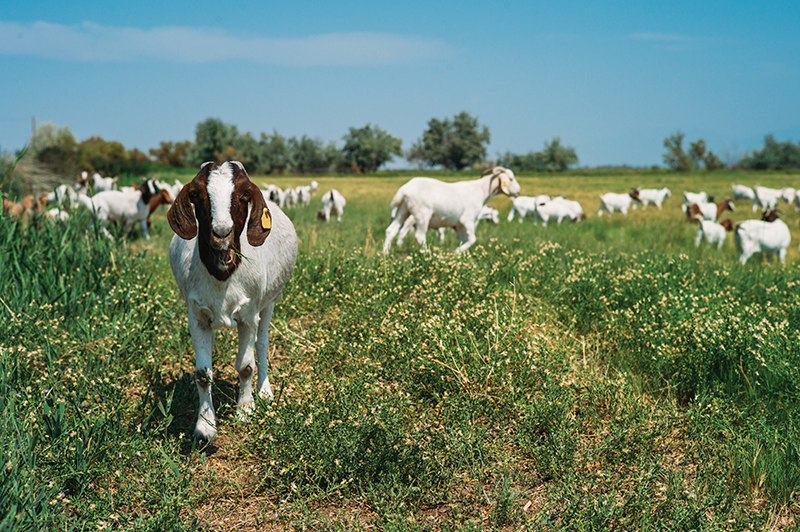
x,y
708,211
229,274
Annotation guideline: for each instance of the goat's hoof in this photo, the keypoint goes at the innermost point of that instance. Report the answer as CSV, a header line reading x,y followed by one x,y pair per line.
x,y
205,434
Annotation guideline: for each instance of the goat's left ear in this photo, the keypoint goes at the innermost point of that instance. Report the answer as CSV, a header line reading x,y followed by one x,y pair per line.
x,y
181,216
259,224
504,184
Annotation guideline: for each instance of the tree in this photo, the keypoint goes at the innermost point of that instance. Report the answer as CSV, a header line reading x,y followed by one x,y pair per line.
x,y
273,154
774,155
367,148
675,157
55,147
171,153
453,144
554,158
309,155
214,141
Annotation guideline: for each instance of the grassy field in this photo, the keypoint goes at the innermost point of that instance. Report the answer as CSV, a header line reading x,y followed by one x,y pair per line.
x,y
601,375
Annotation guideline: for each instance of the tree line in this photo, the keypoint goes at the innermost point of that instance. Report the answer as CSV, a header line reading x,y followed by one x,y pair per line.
x,y
774,155
451,143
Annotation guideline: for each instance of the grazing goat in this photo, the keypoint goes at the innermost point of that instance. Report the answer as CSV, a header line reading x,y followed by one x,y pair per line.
x,y
690,198
770,236
332,204
617,202
526,205
304,193
162,197
435,204
63,196
766,198
708,211
712,232
648,196
115,205
559,209
227,280
789,195
103,184
743,192
487,213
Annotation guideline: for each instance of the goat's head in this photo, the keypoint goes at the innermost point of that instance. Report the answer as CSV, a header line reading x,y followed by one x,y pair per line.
x,y
634,193
727,224
770,215
508,183
214,207
726,205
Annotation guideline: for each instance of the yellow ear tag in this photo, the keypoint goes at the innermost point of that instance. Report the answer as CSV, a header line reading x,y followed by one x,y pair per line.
x,y
266,219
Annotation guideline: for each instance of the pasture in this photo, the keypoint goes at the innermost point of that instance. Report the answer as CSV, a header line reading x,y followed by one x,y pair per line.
x,y
600,375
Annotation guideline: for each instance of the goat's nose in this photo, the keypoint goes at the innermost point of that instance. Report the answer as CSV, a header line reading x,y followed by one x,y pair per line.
x,y
222,237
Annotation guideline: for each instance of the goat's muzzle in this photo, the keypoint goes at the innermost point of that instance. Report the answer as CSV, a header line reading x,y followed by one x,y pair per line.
x,y
223,250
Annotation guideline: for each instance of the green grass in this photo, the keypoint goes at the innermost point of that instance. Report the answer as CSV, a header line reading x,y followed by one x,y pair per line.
x,y
601,375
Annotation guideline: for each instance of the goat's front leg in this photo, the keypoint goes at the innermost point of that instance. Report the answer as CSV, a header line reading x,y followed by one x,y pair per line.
x,y
203,343
467,237
262,349
246,366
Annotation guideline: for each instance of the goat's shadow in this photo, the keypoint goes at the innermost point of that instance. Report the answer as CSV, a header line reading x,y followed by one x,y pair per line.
x,y
184,406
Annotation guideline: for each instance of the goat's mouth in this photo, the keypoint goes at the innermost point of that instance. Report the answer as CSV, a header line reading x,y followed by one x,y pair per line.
x,y
224,258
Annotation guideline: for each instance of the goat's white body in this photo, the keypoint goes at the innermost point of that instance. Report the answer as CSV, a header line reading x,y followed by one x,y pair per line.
x,y
435,204
653,196
332,205
743,192
115,205
245,300
711,231
789,195
526,206
611,201
63,196
766,198
487,213
757,236
690,198
557,210
103,184
708,211
304,193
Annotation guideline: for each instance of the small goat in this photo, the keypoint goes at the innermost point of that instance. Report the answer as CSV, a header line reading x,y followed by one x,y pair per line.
x,y
743,192
766,198
526,205
612,201
712,232
115,205
770,236
708,211
435,204
487,213
227,280
559,209
648,196
102,184
304,193
690,198
332,204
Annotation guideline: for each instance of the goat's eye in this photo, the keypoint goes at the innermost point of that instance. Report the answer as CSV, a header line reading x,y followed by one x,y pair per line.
x,y
245,197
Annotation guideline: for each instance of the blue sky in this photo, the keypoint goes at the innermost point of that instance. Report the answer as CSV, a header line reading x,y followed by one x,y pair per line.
x,y
611,79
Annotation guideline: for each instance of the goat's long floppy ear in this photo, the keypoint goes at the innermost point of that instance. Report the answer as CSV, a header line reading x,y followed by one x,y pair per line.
x,y
504,183
181,216
259,224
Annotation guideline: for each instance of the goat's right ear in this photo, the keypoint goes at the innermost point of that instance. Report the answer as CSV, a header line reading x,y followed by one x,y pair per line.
x,y
181,216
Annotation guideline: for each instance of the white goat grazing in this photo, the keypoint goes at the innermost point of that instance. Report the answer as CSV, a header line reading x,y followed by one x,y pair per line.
x,y
766,198
690,198
712,232
526,205
304,193
487,213
654,196
612,201
102,184
226,280
435,204
559,209
115,205
708,211
332,204
743,192
63,196
770,236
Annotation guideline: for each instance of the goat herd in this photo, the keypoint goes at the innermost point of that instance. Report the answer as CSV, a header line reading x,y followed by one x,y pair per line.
x,y
221,216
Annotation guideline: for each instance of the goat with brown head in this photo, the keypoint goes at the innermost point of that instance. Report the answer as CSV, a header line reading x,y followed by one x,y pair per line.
x,y
215,207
